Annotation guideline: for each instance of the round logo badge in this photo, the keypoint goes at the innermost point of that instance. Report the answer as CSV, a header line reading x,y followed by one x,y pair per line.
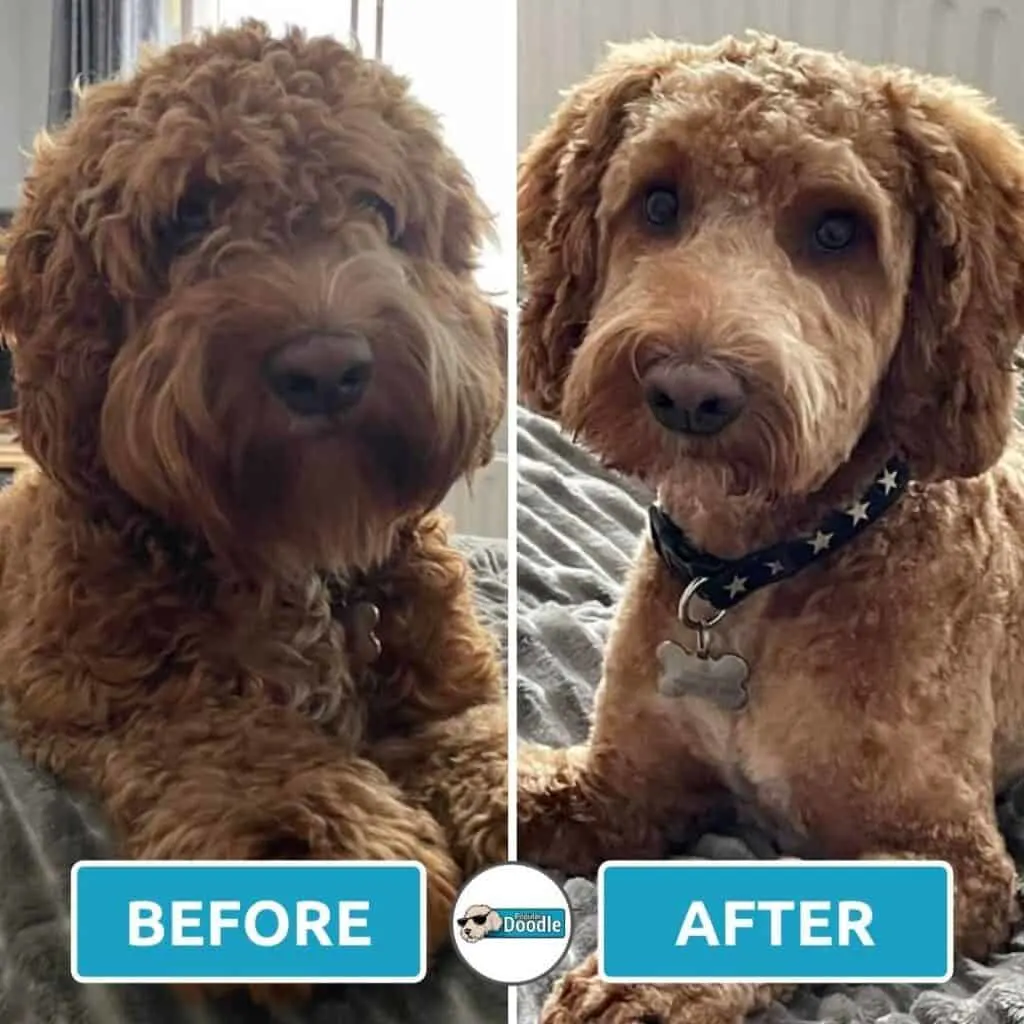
x,y
511,923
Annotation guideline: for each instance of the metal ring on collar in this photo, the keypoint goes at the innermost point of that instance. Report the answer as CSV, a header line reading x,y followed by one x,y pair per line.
x,y
684,607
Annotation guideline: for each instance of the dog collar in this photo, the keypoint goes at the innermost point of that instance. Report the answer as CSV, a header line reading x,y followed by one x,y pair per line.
x,y
726,582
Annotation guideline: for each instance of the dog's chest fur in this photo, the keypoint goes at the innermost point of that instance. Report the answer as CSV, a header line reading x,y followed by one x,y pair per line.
x,y
736,745
142,635
902,649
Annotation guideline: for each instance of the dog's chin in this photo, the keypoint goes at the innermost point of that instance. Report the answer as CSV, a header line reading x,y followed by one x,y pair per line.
x,y
280,494
747,470
340,501
634,444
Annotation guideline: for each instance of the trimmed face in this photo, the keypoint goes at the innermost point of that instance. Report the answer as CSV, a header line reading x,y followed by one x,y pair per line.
x,y
241,289
747,262
755,265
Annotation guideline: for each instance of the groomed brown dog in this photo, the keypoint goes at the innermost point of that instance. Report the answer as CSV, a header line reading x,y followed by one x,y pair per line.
x,y
251,359
776,284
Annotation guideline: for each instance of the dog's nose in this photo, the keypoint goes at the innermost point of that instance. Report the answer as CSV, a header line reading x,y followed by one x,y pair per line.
x,y
693,398
321,374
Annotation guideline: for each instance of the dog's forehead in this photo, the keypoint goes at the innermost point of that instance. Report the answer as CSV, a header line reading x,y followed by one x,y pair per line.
x,y
759,126
257,113
257,67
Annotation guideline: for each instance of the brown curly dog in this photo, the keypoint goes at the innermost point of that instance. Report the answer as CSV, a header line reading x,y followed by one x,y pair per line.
x,y
250,359
768,281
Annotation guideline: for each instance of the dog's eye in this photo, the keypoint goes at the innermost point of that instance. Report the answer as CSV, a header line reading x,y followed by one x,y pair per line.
x,y
192,219
661,207
192,216
386,212
835,231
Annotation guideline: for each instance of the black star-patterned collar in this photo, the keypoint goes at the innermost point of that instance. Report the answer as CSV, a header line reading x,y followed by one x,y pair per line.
x,y
729,581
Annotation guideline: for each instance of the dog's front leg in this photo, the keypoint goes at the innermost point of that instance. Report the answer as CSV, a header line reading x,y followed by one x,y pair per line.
x,y
639,782
985,910
625,794
438,713
580,806
244,780
911,780
458,769
929,828
986,903
581,997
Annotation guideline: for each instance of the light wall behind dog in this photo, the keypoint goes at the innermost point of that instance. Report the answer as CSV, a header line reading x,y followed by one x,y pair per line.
x,y
977,41
478,129
25,27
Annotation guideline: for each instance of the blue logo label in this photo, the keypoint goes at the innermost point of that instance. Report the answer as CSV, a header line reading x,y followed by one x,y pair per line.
x,y
520,924
248,921
787,921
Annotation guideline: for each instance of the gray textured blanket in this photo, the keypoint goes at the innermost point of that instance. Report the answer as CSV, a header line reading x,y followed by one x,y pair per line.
x,y
44,830
578,529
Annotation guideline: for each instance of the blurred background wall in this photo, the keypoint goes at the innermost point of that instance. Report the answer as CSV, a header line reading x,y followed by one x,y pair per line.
x,y
25,30
980,42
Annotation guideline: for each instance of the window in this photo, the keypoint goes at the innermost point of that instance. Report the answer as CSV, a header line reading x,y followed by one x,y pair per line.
x,y
149,23
315,16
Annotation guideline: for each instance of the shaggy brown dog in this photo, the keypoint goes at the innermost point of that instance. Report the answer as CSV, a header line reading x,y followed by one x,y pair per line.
x,y
755,273
251,358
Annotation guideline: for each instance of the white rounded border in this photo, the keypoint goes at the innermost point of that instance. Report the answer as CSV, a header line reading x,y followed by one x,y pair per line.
x,y
461,902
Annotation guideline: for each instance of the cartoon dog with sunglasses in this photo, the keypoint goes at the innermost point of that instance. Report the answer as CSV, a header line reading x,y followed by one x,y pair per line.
x,y
478,922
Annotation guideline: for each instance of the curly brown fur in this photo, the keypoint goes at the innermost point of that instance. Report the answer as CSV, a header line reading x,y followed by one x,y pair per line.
x,y
179,577
887,698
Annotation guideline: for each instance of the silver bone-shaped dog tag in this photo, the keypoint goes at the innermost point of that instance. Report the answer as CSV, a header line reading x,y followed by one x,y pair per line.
x,y
721,680
364,618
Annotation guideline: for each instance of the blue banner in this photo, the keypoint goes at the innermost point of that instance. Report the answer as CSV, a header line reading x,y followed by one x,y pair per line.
x,y
248,921
787,921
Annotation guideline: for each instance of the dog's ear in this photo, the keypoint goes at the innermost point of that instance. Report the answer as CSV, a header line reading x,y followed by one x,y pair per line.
x,y
950,393
486,451
500,316
559,185
57,317
493,922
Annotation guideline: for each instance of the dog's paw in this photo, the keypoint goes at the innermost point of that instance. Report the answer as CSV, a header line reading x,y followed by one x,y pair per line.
x,y
338,812
485,840
581,996
443,881
986,915
987,899
409,834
